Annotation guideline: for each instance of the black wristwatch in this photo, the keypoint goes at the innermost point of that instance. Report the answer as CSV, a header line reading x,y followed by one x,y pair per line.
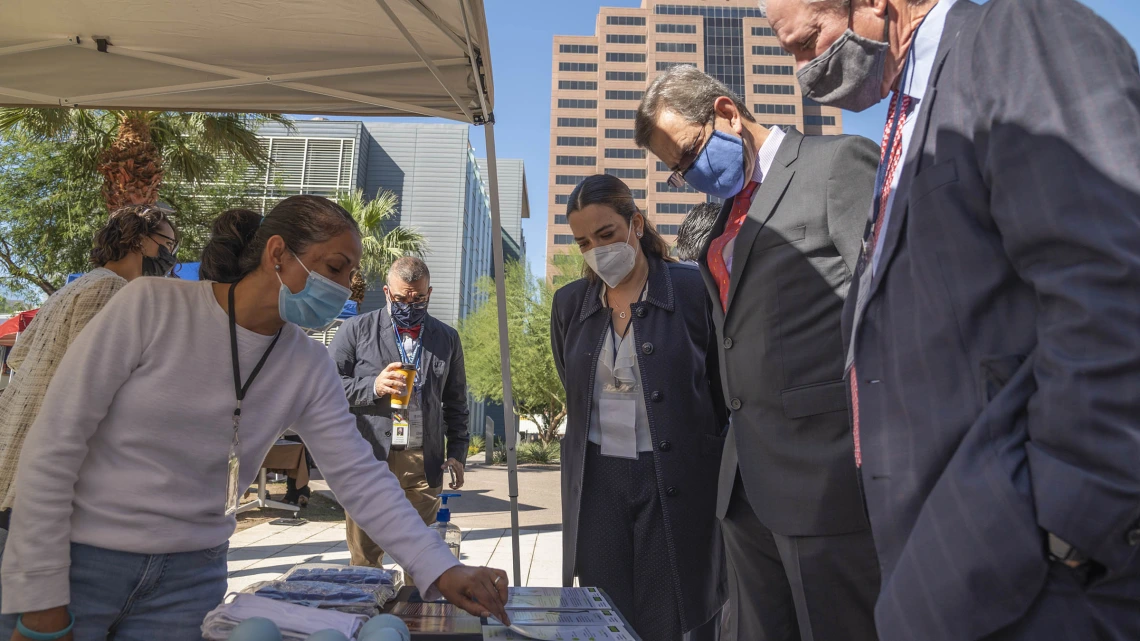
x,y
1060,550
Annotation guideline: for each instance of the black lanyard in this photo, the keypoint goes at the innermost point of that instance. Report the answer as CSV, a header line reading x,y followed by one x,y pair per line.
x,y
239,389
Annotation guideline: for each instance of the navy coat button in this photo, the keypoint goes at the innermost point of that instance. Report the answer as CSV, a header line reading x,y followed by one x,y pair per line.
x,y
641,312
665,446
647,348
657,396
672,491
1134,537
388,433
728,343
735,403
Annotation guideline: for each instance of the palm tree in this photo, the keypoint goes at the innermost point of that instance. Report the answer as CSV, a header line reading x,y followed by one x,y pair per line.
x,y
134,150
381,246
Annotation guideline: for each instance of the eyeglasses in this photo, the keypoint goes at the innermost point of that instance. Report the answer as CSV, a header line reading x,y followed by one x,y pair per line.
x,y
171,244
417,302
677,178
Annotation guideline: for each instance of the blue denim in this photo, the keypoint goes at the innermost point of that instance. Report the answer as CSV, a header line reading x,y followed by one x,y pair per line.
x,y
123,596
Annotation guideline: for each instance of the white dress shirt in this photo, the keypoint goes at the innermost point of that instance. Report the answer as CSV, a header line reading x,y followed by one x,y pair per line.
x,y
764,159
913,84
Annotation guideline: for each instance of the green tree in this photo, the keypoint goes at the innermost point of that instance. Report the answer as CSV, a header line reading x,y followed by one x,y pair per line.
x,y
51,205
383,243
568,267
135,151
537,390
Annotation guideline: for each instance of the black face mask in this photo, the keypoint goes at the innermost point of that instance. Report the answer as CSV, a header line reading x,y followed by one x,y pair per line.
x,y
408,315
159,265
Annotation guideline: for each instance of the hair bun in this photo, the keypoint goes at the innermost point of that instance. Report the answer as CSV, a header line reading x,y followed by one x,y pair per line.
x,y
230,237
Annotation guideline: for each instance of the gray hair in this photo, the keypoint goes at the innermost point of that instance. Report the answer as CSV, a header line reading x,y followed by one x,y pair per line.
x,y
686,91
409,269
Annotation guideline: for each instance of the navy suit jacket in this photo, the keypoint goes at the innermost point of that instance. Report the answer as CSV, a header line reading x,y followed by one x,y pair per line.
x,y
999,351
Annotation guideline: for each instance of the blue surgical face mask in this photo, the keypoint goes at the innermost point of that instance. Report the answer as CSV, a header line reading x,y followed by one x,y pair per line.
x,y
315,306
719,169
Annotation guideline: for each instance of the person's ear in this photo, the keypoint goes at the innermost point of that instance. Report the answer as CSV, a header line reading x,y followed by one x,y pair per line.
x,y
274,255
726,108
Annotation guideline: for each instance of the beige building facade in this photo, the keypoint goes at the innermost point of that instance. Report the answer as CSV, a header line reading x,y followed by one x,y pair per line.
x,y
598,80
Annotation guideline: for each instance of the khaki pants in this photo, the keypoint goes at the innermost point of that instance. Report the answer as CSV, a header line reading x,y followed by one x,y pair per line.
x,y
408,466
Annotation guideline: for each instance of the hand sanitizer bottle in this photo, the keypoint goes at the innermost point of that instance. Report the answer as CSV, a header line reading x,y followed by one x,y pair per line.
x,y
448,531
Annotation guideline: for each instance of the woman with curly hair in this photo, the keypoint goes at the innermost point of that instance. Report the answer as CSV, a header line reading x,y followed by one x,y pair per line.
x,y
138,240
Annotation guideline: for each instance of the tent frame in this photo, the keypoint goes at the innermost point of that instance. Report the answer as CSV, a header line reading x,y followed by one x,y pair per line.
x,y
297,81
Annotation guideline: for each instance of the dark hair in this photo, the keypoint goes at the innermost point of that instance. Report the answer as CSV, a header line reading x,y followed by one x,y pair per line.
x,y
125,231
238,236
410,269
695,230
604,189
689,92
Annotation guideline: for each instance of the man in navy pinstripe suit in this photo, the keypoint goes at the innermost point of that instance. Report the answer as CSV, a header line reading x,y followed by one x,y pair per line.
x,y
994,319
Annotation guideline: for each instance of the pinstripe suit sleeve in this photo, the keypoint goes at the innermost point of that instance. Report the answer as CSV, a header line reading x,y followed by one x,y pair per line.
x,y
1059,92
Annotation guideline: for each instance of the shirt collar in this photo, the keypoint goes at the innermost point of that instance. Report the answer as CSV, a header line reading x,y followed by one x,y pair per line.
x,y
767,154
925,49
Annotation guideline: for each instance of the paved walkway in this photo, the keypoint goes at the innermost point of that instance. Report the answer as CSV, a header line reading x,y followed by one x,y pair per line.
x,y
266,551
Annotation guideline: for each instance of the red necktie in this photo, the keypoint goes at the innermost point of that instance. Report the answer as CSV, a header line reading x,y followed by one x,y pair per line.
x,y
892,165
732,227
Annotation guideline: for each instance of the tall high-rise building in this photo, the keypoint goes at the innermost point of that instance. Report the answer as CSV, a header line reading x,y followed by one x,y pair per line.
x,y
598,81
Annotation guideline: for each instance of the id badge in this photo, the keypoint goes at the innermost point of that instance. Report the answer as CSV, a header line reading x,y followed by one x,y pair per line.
x,y
618,418
400,429
233,489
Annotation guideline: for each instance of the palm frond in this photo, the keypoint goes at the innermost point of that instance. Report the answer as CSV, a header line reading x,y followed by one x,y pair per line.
x,y
42,124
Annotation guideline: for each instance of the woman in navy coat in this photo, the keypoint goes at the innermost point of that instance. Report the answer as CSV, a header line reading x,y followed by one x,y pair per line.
x,y
634,345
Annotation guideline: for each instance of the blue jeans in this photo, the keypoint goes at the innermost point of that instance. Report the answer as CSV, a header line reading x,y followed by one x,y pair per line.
x,y
123,596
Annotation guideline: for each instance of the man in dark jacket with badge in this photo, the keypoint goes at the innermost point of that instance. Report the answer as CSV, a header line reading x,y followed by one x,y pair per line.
x,y
375,354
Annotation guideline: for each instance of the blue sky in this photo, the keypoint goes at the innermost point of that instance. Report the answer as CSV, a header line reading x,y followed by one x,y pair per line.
x,y
521,36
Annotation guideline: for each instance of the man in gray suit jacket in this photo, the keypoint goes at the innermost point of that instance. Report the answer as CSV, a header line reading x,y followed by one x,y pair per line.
x,y
995,337
777,264
369,350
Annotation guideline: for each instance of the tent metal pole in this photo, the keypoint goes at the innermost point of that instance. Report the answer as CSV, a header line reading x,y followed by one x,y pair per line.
x,y
509,424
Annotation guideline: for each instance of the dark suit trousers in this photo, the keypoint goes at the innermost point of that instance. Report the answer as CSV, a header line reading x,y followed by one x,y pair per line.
x,y
1076,607
797,588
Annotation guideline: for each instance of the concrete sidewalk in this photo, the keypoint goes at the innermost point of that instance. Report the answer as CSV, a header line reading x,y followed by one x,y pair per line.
x,y
266,551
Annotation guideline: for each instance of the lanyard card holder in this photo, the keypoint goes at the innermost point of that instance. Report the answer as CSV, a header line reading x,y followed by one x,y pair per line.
x,y
617,412
400,429
233,469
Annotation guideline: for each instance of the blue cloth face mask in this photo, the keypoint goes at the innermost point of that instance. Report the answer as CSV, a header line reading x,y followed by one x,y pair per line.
x,y
315,306
719,169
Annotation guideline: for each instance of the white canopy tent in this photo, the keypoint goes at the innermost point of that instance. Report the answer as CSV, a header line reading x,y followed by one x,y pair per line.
x,y
334,57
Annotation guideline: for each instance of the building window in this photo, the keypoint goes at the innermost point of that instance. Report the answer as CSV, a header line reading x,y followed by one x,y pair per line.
x,y
808,102
774,109
577,141
763,31
780,90
666,66
626,76
773,70
561,199
677,47
674,208
625,57
760,50
626,21
574,103
624,134
665,187
691,10
621,114
561,219
625,153
626,173
724,47
563,239
562,179
638,194
668,230
577,48
663,167
577,122
576,161
625,39
624,95
676,28
578,66
578,85
819,120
